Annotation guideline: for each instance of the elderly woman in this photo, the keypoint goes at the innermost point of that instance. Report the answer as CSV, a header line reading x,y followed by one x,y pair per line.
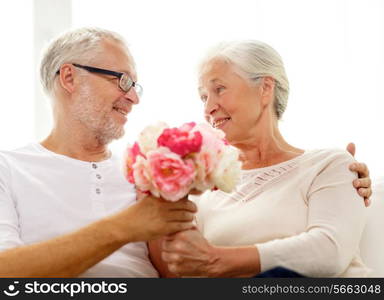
x,y
293,208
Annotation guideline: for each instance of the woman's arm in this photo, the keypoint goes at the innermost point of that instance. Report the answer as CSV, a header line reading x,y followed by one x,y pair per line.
x,y
335,223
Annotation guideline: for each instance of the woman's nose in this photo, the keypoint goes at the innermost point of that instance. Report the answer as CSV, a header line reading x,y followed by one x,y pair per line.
x,y
211,107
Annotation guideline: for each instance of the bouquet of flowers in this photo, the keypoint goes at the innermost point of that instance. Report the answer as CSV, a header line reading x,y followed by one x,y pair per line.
x,y
170,162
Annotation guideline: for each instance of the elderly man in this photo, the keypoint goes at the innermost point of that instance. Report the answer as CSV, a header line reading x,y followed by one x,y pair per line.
x,y
64,205
65,208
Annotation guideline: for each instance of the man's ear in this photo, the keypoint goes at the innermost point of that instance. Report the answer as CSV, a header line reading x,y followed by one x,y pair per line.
x,y
66,77
268,90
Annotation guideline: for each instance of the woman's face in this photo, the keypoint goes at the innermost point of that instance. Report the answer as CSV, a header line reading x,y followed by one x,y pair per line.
x,y
231,102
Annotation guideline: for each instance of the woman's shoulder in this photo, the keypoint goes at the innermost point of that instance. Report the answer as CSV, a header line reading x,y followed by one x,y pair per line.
x,y
329,155
329,164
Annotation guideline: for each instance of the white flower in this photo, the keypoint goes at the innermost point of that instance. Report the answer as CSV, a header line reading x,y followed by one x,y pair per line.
x,y
148,137
227,173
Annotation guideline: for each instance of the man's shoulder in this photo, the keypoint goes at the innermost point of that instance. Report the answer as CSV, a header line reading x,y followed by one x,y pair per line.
x,y
10,159
27,150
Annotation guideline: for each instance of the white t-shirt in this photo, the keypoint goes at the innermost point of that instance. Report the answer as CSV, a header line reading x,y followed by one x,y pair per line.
x,y
302,214
44,195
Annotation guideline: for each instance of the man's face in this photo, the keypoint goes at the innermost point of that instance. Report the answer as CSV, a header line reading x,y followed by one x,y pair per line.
x,y
99,104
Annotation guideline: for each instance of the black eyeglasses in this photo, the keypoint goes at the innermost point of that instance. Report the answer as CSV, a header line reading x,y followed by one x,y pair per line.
x,y
125,82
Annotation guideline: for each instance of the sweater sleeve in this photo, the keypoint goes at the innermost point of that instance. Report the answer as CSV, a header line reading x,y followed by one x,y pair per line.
x,y
336,218
9,221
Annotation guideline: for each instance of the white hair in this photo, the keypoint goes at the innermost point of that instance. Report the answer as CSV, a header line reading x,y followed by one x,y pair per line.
x,y
79,45
254,59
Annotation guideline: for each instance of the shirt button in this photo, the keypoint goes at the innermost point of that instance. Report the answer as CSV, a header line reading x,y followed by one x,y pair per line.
x,y
98,191
98,176
94,166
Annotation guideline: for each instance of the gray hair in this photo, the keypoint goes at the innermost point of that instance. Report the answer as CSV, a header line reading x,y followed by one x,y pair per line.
x,y
254,59
81,44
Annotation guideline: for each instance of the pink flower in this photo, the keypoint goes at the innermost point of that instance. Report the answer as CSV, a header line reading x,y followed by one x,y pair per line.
x,y
181,140
209,156
187,126
142,177
130,158
205,163
172,175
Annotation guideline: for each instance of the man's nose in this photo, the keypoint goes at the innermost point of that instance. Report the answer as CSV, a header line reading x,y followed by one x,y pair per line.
x,y
132,96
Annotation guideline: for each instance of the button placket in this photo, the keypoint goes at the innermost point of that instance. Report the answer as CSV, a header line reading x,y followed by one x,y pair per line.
x,y
97,190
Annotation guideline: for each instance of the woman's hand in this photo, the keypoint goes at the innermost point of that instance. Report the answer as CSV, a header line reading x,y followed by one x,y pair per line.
x,y
188,253
363,183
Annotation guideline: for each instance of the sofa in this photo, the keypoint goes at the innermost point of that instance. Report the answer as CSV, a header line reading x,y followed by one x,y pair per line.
x,y
372,242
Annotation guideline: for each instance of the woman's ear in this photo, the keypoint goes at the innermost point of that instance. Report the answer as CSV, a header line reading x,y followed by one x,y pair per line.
x,y
66,77
268,90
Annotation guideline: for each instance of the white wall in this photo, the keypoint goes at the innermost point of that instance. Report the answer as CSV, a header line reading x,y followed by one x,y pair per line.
x,y
16,75
51,17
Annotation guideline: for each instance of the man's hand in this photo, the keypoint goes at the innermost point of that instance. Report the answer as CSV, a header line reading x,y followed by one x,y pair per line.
x,y
151,218
363,184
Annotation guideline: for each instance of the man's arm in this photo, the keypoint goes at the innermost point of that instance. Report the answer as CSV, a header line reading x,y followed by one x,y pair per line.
x,y
72,254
